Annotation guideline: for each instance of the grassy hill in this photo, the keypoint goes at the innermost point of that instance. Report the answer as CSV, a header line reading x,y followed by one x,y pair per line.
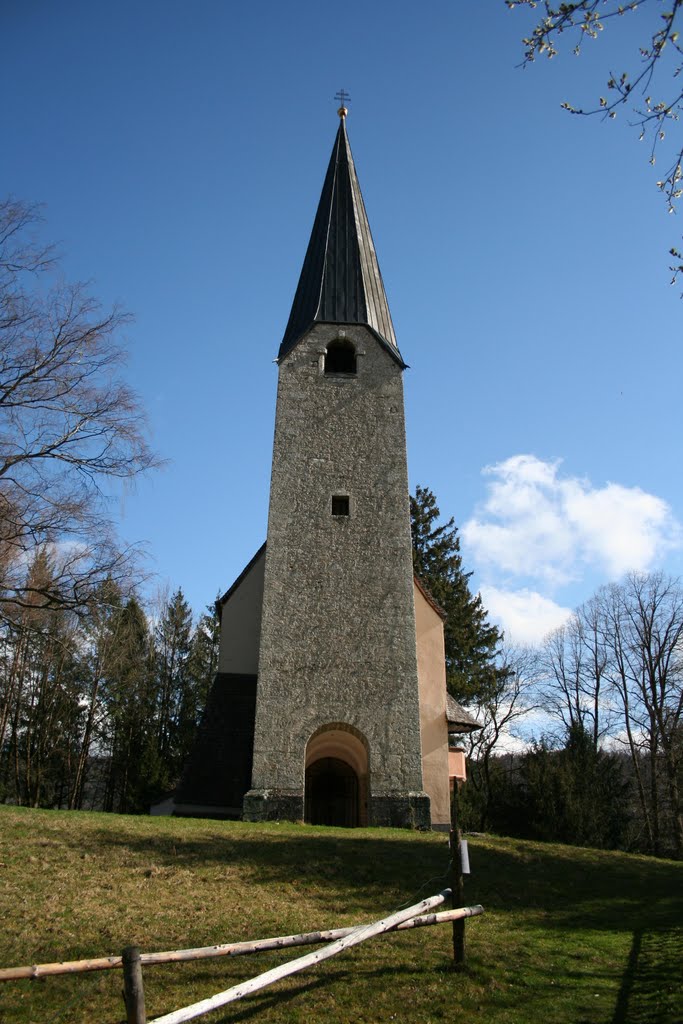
x,y
569,935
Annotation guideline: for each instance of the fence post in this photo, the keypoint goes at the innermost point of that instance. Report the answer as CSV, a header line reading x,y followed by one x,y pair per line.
x,y
457,886
133,990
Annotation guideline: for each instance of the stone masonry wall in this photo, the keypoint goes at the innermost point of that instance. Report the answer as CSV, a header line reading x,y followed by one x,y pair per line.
x,y
338,626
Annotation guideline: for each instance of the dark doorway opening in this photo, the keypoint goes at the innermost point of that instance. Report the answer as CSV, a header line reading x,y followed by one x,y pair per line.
x,y
331,793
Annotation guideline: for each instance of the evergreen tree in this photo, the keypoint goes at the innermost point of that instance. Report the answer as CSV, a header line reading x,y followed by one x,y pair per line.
x,y
100,645
471,641
98,709
130,696
40,690
203,665
577,795
172,642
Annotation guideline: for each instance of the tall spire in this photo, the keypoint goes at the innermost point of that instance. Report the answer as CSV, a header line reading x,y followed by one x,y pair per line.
x,y
340,280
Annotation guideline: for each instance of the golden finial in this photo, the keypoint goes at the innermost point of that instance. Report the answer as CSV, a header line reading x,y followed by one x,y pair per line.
x,y
342,96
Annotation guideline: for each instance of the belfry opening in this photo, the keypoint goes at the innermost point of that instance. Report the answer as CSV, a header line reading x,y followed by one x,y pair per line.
x,y
340,357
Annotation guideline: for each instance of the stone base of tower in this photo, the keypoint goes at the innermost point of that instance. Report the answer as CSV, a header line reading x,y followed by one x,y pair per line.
x,y
388,810
400,810
273,805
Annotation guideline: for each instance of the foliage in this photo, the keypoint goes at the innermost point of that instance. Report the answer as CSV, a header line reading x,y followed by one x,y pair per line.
x,y
577,794
100,710
648,88
499,711
203,665
471,641
129,699
493,800
611,682
175,720
68,425
40,684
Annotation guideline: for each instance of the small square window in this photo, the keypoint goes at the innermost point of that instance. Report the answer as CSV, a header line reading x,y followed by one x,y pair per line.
x,y
340,504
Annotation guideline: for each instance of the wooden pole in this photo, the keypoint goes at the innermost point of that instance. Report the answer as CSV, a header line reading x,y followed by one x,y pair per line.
x,y
103,963
294,966
224,949
304,939
133,989
457,884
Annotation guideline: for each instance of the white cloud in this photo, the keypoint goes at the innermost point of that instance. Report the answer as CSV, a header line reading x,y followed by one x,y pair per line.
x,y
524,615
536,523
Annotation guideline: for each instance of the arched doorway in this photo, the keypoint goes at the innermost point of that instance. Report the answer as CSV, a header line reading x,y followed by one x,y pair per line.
x,y
336,780
331,793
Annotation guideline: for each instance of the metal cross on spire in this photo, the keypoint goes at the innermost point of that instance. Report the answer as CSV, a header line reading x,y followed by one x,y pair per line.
x,y
342,96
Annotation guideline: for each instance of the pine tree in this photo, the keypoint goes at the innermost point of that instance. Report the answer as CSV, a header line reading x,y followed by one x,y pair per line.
x,y
471,641
203,665
130,699
185,665
100,644
40,708
172,654
577,794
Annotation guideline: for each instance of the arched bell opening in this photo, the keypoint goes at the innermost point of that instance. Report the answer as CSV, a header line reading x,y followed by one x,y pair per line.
x,y
340,357
336,779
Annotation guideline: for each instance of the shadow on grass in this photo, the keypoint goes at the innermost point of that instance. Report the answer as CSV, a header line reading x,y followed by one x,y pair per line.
x,y
338,861
550,902
572,887
260,1003
651,986
557,886
635,1003
299,986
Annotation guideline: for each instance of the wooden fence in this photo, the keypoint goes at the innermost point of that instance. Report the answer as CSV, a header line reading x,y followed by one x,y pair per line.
x,y
338,939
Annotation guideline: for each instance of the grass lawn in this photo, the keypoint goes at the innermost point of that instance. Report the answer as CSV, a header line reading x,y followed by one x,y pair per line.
x,y
569,936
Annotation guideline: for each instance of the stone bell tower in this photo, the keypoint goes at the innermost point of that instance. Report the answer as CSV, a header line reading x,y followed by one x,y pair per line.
x,y
337,729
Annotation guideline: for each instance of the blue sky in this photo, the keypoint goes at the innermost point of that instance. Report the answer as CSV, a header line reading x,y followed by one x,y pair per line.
x,y
180,150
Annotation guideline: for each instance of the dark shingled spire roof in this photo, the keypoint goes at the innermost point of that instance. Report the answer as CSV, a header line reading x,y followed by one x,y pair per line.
x,y
340,281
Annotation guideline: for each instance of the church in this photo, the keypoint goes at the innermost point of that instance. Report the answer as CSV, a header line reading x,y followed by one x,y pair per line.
x,y
330,703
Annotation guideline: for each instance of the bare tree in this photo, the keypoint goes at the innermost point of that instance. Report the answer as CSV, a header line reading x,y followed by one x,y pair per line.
x,y
574,662
644,626
498,712
100,641
68,424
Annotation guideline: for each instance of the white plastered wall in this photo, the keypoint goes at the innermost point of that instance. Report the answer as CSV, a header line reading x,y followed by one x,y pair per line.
x,y
241,623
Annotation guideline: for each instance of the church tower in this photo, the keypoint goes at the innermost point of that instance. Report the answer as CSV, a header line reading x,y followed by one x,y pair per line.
x,y
337,727
330,703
